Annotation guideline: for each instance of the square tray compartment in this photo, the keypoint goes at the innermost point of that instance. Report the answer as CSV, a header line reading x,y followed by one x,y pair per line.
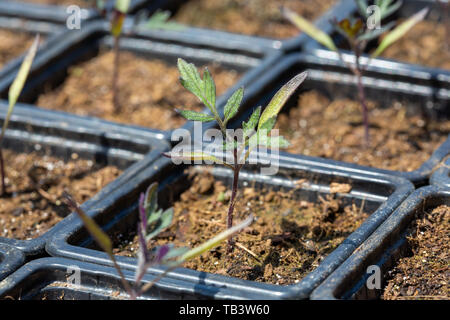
x,y
118,213
50,68
333,79
61,135
383,248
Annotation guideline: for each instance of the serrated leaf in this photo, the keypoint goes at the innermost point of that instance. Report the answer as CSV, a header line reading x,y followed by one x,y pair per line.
x,y
214,242
280,98
209,88
196,116
250,125
310,29
233,104
19,82
400,31
160,20
202,89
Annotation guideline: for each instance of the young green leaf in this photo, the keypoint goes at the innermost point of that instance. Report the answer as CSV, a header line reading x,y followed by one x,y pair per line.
x,y
373,34
196,116
202,89
250,125
19,82
400,31
160,20
214,242
233,104
209,88
308,28
122,5
362,7
163,221
280,98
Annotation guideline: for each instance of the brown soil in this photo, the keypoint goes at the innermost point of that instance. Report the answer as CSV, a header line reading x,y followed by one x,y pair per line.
x,y
149,91
251,17
425,44
80,3
425,274
289,237
13,44
35,185
334,129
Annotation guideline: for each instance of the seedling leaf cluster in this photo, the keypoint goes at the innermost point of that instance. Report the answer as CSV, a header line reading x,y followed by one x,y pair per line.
x,y
255,132
358,35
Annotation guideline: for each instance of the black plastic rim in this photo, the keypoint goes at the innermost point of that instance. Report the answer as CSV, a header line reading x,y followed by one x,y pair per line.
x,y
61,135
331,77
441,175
215,38
50,278
382,248
407,9
10,260
73,46
119,209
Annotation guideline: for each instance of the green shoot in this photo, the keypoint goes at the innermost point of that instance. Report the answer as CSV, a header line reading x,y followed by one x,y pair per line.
x,y
160,21
152,221
118,17
255,131
14,93
358,35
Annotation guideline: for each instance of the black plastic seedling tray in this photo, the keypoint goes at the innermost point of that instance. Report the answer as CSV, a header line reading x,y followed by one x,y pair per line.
x,y
49,69
441,175
54,279
117,214
223,40
47,30
10,260
383,248
59,135
407,9
59,13
332,79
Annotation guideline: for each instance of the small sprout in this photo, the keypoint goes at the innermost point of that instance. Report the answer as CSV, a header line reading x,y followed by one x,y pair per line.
x,y
160,21
358,36
117,20
14,93
152,221
255,131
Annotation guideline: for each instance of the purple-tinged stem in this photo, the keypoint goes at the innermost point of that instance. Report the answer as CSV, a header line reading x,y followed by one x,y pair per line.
x,y
115,78
2,172
237,168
